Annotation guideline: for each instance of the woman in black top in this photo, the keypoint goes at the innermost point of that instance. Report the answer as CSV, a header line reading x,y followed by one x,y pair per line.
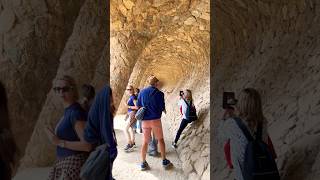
x,y
8,146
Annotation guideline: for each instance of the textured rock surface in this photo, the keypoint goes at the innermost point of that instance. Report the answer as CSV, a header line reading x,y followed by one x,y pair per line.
x,y
274,47
85,58
41,40
32,37
169,39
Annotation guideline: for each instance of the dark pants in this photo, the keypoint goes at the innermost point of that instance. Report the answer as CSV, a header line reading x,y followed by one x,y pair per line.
x,y
183,125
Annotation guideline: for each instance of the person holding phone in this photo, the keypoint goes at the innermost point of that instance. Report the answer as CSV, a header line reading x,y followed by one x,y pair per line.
x,y
68,136
186,102
248,111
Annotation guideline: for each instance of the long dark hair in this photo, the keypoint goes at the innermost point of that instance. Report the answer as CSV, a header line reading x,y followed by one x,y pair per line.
x,y
88,92
8,146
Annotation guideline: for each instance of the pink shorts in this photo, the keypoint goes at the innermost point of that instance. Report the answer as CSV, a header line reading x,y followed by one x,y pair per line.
x,y
152,125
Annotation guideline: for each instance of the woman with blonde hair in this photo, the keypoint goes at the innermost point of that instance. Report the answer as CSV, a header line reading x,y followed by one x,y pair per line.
x,y
130,119
242,125
186,105
68,136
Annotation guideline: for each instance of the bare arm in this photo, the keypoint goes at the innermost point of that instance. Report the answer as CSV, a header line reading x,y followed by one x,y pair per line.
x,y
133,107
81,145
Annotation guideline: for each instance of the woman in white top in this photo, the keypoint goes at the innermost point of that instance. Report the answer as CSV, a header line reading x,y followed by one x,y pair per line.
x,y
185,101
249,110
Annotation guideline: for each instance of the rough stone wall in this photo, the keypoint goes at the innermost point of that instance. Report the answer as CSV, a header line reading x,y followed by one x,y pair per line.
x,y
175,48
32,37
272,46
84,57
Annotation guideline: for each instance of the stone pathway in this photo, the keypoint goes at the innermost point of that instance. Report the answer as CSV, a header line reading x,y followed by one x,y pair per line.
x,y
126,165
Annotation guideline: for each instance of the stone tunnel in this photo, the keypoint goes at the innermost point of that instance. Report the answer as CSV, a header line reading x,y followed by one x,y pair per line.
x,y
171,40
41,40
272,46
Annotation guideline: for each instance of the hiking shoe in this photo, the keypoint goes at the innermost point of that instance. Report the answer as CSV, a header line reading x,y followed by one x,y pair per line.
x,y
166,164
144,166
128,148
174,145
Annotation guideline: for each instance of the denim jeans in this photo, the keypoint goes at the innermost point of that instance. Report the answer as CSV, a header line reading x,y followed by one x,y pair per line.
x,y
183,125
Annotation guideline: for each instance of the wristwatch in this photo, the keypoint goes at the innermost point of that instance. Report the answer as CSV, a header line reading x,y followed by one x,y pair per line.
x,y
62,144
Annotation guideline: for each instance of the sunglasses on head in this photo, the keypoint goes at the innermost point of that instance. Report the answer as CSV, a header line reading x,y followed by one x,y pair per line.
x,y
62,89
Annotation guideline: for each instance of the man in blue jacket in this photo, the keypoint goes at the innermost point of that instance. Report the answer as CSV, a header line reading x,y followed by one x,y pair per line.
x,y
153,100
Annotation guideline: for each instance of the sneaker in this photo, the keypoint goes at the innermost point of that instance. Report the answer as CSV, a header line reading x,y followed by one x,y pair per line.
x,y
134,145
144,166
166,164
128,148
174,145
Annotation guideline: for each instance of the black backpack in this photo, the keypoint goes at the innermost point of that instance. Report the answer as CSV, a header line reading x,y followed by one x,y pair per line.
x,y
192,116
258,161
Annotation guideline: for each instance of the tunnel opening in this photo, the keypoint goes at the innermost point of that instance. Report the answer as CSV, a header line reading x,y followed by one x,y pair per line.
x,y
168,39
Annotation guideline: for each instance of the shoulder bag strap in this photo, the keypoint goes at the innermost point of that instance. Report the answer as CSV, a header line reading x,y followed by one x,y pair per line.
x,y
244,129
187,103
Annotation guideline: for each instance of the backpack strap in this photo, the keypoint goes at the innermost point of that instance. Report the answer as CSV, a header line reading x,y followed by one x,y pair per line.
x,y
244,129
189,105
186,102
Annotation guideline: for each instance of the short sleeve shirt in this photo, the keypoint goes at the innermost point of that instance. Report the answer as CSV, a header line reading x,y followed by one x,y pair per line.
x,y
131,102
65,129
